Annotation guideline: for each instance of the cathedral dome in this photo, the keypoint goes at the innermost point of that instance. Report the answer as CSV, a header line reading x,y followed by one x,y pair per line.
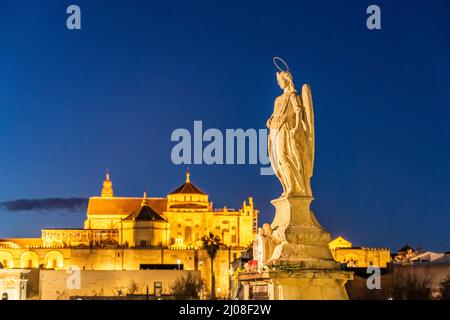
x,y
188,197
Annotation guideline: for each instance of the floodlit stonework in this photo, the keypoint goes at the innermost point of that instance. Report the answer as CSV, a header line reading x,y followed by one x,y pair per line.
x,y
359,257
109,283
124,233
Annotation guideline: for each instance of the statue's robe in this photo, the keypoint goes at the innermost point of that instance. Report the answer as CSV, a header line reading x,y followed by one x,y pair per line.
x,y
288,151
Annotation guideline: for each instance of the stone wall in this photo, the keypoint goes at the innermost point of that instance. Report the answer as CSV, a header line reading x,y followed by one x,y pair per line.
x,y
131,259
58,285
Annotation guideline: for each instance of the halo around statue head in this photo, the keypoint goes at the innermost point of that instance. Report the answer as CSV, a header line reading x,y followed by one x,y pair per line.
x,y
276,60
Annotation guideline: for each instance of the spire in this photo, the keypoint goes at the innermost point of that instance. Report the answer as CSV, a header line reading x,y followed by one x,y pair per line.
x,y
107,190
145,201
188,176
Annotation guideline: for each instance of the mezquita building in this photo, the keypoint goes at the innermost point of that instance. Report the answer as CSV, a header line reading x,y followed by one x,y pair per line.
x,y
146,244
178,221
137,233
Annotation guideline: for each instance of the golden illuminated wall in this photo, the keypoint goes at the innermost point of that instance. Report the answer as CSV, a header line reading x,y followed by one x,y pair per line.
x,y
6,259
199,202
78,237
358,257
363,257
124,259
109,283
27,258
145,233
187,210
235,227
188,213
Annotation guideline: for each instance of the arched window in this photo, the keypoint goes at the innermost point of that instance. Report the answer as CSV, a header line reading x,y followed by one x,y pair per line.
x,y
6,259
54,260
29,259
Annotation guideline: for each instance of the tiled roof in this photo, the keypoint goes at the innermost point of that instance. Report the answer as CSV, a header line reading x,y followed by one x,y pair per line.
x,y
23,241
145,214
123,206
188,188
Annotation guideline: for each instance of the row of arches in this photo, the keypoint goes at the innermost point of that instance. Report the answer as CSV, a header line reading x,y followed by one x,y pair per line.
x,y
30,259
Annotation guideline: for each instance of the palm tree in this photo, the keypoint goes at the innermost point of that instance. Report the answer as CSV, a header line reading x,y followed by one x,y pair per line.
x,y
211,243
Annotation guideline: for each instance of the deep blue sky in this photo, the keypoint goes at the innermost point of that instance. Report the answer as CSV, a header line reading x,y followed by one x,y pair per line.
x,y
73,103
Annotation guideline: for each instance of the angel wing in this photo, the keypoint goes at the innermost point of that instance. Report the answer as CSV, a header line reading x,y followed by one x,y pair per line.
x,y
308,105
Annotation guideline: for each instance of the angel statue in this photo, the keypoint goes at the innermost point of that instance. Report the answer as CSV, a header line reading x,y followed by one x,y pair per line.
x,y
291,135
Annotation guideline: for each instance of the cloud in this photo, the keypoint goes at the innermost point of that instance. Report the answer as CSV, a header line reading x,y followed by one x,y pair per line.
x,y
49,204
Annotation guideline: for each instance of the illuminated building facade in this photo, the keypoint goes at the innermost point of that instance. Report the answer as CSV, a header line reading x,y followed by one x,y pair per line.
x,y
135,233
358,257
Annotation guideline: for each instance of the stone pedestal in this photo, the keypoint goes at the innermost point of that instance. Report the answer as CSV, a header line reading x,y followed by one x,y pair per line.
x,y
300,284
301,266
302,240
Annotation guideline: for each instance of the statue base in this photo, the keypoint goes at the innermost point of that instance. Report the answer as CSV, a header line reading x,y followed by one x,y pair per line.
x,y
301,266
301,239
299,284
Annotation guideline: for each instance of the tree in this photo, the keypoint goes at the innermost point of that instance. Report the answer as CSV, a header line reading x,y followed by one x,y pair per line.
x,y
409,287
133,288
211,243
445,288
188,288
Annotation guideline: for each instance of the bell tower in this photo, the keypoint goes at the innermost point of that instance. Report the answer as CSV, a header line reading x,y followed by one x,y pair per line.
x,y
107,190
